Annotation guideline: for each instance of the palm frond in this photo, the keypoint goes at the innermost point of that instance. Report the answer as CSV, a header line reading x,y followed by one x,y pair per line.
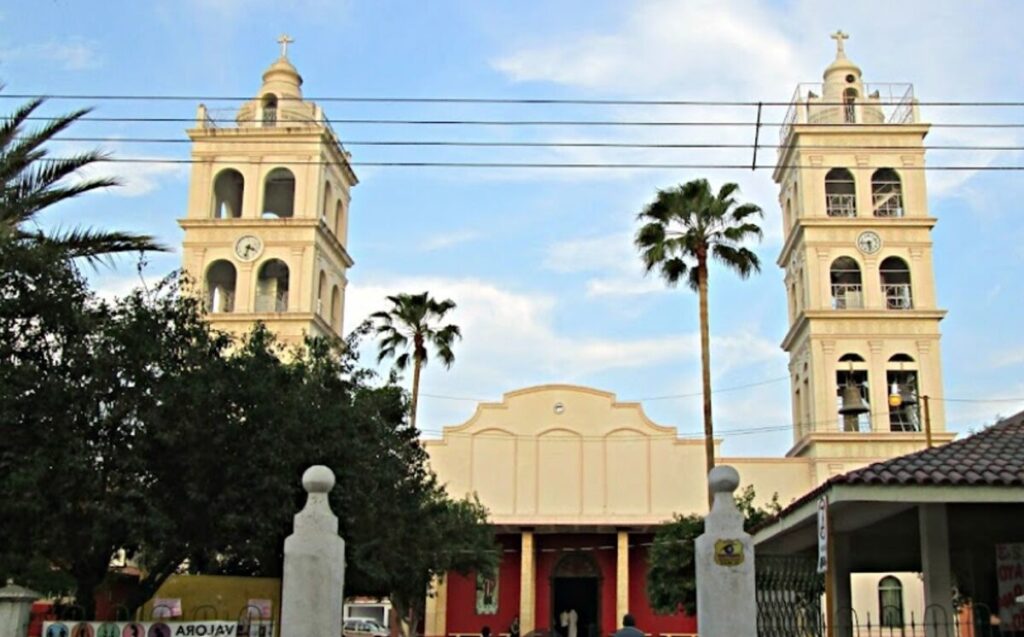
x,y
95,246
741,260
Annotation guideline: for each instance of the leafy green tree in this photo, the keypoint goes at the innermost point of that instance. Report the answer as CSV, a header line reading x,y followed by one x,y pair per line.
x,y
415,318
30,182
684,229
672,572
133,426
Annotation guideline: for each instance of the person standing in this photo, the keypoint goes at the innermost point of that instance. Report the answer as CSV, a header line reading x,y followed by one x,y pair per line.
x,y
629,628
573,619
513,629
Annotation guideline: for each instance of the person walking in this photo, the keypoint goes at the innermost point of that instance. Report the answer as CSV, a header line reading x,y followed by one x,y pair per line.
x,y
629,628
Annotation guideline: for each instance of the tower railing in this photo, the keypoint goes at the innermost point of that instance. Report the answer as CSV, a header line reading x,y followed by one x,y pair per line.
x,y
882,103
897,296
840,205
847,296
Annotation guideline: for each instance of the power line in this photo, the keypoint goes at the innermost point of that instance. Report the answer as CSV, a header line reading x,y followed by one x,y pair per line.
x,y
551,144
541,165
526,122
539,101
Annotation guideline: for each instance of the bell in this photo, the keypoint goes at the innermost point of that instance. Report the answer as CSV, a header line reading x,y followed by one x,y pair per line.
x,y
907,395
895,397
853,402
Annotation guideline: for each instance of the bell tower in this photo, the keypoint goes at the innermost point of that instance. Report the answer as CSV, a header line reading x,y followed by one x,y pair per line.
x,y
267,223
863,338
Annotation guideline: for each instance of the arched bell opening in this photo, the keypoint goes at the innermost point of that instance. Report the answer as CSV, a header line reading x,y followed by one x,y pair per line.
x,y
228,190
269,110
840,193
894,274
272,287
853,398
221,279
279,194
901,379
847,287
887,193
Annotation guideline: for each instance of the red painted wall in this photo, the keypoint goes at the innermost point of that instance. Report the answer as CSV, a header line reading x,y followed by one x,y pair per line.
x,y
461,608
646,619
550,550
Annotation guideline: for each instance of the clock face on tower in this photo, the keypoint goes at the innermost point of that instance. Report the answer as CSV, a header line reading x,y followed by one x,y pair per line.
x,y
869,242
248,247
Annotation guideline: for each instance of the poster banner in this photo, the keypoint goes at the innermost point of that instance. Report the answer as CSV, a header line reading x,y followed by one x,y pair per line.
x,y
158,629
1010,579
823,534
486,595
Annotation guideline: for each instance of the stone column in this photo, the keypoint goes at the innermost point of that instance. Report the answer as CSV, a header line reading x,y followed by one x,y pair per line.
x,y
725,564
15,607
843,617
527,586
313,577
938,582
435,622
622,576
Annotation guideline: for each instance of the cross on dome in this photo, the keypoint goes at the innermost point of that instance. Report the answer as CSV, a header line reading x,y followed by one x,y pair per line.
x,y
839,37
284,41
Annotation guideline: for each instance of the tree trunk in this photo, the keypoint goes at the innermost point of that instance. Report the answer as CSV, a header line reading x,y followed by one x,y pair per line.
x,y
85,595
705,364
415,390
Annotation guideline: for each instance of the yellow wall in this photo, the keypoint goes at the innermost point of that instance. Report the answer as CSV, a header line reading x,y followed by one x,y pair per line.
x,y
225,596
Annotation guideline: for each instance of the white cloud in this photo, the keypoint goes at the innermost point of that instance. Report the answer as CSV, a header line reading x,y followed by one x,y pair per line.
x,y
445,240
136,178
73,54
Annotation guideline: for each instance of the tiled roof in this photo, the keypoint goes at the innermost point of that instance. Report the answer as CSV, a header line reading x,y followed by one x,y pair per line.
x,y
992,457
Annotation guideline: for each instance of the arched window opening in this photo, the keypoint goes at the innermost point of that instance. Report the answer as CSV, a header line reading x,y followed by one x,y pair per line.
x,y
904,406
228,189
887,193
895,277
847,287
328,207
272,287
279,194
220,287
890,602
850,106
852,396
339,221
270,110
321,292
787,217
840,193
336,309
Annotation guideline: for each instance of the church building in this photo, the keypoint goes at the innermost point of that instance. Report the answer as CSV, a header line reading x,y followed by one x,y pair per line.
x,y
577,482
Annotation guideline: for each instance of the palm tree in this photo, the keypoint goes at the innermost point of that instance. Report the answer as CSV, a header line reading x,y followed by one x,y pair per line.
x,y
31,182
682,229
415,317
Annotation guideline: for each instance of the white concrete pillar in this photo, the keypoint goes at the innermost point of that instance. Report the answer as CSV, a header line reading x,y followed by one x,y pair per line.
x,y
622,576
435,619
313,577
527,584
938,581
725,564
15,608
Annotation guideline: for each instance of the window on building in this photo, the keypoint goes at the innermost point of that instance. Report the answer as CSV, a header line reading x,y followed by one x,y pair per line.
x,y
852,397
339,221
895,279
272,287
228,188
220,287
840,193
279,194
850,106
328,207
847,288
336,309
270,110
890,602
887,193
904,404
321,292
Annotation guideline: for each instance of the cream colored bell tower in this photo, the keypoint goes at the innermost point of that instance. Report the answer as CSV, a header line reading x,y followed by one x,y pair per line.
x,y
863,340
266,231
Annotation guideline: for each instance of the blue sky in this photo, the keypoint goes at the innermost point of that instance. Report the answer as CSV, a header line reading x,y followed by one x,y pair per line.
x,y
540,262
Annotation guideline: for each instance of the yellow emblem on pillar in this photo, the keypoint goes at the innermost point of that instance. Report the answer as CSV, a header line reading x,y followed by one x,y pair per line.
x,y
728,552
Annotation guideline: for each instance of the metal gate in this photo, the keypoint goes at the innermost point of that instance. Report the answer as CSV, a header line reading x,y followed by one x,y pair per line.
x,y
788,596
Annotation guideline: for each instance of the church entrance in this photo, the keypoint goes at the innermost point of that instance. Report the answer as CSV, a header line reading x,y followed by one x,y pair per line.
x,y
576,597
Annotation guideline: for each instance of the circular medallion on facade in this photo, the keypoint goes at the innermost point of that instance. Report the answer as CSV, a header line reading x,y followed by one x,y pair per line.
x,y
559,409
869,242
248,247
